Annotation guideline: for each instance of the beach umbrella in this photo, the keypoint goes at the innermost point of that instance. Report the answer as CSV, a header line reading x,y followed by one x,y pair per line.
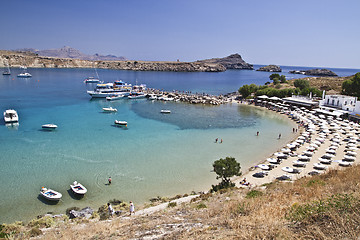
x,y
310,148
263,97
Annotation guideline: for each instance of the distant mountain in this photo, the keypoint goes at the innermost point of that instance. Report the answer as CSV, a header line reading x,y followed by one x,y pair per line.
x,y
68,52
233,61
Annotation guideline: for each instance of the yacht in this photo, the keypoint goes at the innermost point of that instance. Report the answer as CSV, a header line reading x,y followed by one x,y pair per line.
x,y
109,89
24,74
11,116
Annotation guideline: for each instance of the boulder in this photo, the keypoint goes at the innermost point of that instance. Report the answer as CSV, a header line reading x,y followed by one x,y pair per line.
x,y
270,68
83,213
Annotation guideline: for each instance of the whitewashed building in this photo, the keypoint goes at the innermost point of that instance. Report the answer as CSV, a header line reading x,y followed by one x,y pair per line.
x,y
340,102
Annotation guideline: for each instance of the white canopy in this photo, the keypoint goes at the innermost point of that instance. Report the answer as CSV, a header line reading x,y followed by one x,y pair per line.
x,y
263,97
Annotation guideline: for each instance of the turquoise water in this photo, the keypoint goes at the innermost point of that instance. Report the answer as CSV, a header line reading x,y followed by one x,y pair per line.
x,y
158,155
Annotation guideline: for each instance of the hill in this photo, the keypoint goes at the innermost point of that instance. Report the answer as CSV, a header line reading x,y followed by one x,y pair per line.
x,y
233,61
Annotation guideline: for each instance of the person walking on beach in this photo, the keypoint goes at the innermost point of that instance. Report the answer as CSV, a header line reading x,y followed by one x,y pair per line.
x,y
111,210
109,180
132,208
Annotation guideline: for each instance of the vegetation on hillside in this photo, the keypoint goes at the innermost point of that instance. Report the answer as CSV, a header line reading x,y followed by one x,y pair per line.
x,y
351,86
225,169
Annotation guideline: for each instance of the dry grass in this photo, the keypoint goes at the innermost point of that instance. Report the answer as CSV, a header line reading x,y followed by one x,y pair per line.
x,y
274,211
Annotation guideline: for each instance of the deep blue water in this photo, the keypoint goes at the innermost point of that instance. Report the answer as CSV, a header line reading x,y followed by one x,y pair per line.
x,y
157,155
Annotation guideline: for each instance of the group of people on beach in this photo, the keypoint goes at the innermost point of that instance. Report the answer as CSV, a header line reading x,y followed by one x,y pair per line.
x,y
111,209
217,140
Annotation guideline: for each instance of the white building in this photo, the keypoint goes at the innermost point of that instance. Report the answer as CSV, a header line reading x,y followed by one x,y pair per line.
x,y
340,102
355,116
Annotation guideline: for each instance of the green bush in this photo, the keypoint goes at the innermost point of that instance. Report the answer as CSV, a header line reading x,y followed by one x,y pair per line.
x,y
301,83
254,194
172,204
201,205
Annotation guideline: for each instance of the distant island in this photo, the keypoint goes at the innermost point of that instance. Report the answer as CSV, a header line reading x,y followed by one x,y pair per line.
x,y
233,61
270,68
315,72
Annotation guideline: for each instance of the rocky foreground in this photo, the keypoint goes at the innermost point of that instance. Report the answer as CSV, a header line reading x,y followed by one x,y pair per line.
x,y
32,60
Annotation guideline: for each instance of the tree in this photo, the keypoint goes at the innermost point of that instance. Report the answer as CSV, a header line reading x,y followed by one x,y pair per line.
x,y
226,168
301,83
274,75
245,91
352,86
282,79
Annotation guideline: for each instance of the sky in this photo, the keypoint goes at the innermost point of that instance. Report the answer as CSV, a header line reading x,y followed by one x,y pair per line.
x,y
314,33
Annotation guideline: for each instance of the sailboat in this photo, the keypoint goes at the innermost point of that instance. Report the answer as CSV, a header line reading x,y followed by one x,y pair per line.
x,y
24,74
7,72
93,79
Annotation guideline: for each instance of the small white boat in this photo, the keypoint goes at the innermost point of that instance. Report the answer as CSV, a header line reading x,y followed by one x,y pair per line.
x,y
325,161
120,123
109,109
165,111
115,97
92,80
24,75
11,116
50,194
153,97
320,166
78,188
136,95
298,163
49,126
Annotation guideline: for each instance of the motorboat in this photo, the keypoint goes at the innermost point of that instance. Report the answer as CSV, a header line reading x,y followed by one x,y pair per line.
x,y
298,163
304,158
153,97
92,80
104,90
50,194
320,166
120,123
325,161
115,97
165,111
49,126
11,116
109,109
78,188
7,71
136,95
24,75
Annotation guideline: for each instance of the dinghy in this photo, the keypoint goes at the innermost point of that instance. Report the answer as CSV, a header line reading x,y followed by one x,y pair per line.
x,y
50,194
109,109
49,126
78,188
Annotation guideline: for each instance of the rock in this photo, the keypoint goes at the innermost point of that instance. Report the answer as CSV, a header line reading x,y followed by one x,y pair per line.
x,y
270,68
315,72
233,61
83,213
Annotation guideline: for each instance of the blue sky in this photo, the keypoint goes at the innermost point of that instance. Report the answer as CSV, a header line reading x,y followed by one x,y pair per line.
x,y
302,33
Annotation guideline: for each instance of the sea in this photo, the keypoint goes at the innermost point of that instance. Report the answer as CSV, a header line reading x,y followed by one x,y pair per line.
x,y
157,155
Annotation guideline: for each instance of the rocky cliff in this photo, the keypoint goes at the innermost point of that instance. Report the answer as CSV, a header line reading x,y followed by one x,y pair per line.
x,y
233,61
32,60
270,68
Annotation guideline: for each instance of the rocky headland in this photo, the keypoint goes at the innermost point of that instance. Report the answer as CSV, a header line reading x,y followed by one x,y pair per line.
x,y
32,60
233,61
315,72
270,68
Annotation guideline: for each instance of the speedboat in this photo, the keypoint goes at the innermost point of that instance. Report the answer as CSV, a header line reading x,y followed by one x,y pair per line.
x,y
50,194
320,166
136,95
11,116
115,97
49,126
92,80
78,188
24,75
120,123
109,109
165,111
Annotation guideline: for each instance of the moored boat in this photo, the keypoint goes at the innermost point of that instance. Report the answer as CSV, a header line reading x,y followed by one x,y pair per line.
x,y
109,109
165,111
115,97
78,188
120,123
92,80
50,194
49,126
11,116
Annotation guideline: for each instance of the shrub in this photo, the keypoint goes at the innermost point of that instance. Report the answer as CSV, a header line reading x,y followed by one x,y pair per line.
x,y
46,221
254,194
201,205
301,83
172,204
35,232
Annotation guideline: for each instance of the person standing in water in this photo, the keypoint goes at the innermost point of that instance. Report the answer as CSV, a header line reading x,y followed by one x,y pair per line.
x,y
109,180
